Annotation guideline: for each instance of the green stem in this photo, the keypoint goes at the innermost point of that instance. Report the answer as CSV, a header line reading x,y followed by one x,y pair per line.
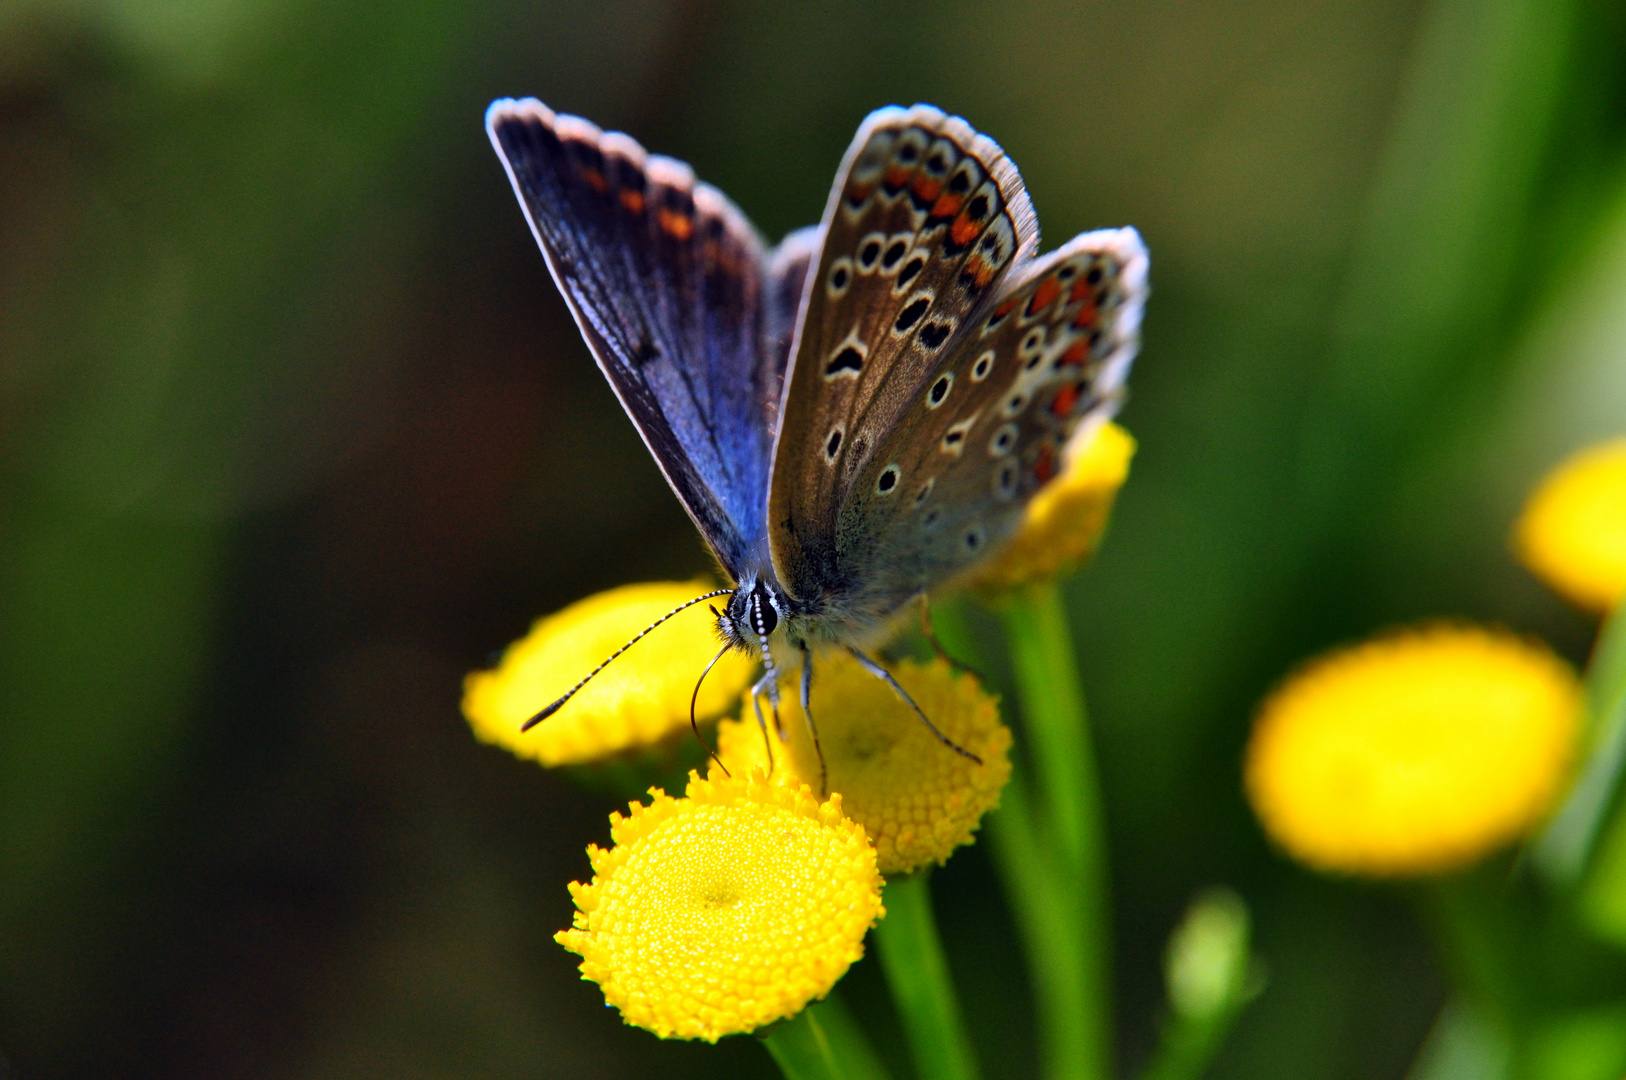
x,y
1564,850
1071,1047
922,990
823,1042
1053,856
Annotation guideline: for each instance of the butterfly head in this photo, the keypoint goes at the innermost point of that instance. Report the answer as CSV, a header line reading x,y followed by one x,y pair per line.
x,y
752,614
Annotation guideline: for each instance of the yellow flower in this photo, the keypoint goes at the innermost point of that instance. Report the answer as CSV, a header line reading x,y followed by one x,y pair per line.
x,y
1063,524
636,702
917,799
724,910
1413,753
1572,533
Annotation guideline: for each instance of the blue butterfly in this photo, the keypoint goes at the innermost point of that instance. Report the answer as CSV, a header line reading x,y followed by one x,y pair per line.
x,y
858,415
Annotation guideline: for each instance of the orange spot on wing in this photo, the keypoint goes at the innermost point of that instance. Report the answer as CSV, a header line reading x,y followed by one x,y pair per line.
x,y
1066,398
1086,314
677,226
1007,307
1076,354
594,178
981,273
1081,289
947,206
1044,295
1045,467
632,200
964,230
927,188
896,177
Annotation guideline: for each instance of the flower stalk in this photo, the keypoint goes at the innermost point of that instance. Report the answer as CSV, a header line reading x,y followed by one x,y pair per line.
x,y
1056,875
823,1042
922,989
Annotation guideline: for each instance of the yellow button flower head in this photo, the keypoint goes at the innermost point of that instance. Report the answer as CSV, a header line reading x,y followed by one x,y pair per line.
x,y
1572,533
917,799
638,701
1063,524
724,910
1413,753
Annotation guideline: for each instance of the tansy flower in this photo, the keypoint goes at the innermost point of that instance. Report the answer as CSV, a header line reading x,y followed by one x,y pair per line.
x,y
638,701
1064,522
1572,533
917,799
724,910
1414,753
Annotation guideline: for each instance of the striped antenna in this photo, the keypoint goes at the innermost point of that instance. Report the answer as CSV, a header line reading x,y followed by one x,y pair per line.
x,y
557,705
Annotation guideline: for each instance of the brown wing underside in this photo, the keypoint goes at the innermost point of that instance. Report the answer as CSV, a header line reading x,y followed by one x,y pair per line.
x,y
925,223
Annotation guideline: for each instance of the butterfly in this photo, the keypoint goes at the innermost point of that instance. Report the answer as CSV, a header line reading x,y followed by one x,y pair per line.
x,y
859,414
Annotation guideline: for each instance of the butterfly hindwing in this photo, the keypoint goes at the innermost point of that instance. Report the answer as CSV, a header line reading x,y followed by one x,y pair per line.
x,y
924,223
1048,360
685,311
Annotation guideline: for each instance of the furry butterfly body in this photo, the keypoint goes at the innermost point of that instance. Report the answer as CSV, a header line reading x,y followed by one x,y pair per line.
x,y
859,414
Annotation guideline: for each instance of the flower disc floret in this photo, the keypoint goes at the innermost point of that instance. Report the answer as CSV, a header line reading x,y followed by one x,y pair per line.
x,y
724,910
917,799
639,700
1413,753
1572,533
1064,522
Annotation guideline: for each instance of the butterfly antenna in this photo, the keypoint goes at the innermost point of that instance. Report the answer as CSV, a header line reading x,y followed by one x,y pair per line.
x,y
886,676
557,705
695,697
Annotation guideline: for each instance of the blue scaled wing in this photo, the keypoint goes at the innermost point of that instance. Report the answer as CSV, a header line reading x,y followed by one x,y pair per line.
x,y
685,309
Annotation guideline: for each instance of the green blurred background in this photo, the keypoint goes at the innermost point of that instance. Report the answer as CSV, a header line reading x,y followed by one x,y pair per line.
x,y
295,430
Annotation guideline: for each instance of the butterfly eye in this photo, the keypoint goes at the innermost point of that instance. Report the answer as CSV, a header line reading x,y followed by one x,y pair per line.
x,y
1005,481
907,274
912,312
869,250
847,362
887,482
841,276
934,334
1003,440
984,364
896,250
939,391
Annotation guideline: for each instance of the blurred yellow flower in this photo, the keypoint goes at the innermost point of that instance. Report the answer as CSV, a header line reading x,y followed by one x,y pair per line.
x,y
917,799
638,701
724,910
1572,533
1065,521
1413,753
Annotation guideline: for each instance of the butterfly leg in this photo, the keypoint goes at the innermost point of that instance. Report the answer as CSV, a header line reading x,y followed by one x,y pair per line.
x,y
807,714
886,676
757,691
937,646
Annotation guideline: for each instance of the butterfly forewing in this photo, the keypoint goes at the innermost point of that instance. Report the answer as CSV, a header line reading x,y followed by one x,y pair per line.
x,y
687,314
926,220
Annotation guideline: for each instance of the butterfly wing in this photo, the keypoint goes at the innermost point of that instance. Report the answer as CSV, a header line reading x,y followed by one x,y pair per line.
x,y
686,312
924,223
1036,372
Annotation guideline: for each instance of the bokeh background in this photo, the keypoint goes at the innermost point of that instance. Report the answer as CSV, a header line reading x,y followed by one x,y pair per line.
x,y
295,430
